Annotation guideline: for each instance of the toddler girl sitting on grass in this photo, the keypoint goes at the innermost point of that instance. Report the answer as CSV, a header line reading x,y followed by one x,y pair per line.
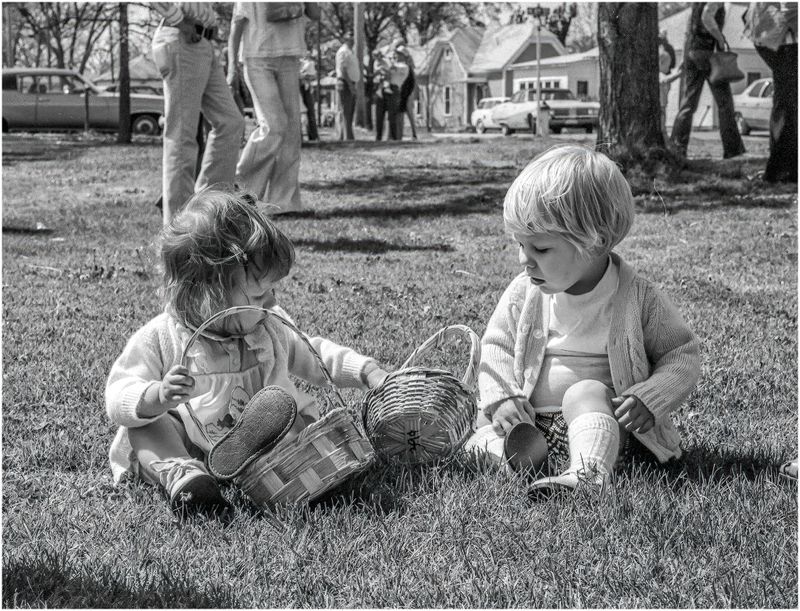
x,y
579,345
221,251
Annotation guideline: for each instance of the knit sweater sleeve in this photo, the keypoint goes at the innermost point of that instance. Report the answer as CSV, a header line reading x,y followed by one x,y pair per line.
x,y
496,379
345,365
674,354
148,354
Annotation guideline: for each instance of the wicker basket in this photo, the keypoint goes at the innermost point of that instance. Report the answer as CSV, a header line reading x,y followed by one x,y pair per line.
x,y
420,415
322,456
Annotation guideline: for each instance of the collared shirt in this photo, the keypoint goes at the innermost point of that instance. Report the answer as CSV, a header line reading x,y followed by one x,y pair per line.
x,y
174,12
346,64
262,38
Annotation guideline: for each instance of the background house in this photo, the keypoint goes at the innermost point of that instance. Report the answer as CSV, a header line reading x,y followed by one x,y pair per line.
x,y
467,66
473,63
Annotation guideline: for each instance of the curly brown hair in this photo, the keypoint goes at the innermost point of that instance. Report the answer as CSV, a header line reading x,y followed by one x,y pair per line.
x,y
218,230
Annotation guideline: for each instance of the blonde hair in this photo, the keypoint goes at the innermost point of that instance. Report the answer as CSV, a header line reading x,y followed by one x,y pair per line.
x,y
217,231
575,193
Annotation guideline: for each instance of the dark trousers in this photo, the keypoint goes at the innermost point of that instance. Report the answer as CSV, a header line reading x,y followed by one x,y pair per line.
x,y
782,162
698,68
387,104
345,109
311,120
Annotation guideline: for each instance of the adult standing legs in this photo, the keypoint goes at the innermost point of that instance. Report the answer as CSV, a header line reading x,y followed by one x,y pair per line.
x,y
270,161
732,144
188,69
380,115
345,109
225,136
311,120
696,68
782,162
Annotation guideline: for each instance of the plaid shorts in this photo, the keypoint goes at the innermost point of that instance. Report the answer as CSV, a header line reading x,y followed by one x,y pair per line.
x,y
554,428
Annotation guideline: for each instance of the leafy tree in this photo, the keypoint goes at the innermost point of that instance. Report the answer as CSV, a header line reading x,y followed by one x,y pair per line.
x,y
66,31
557,20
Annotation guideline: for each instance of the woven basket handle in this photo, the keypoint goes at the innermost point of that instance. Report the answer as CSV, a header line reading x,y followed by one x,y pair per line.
x,y
446,334
236,309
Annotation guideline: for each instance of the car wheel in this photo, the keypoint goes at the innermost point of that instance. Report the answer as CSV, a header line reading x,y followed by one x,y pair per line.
x,y
589,129
144,125
555,130
532,124
506,130
5,126
480,127
741,124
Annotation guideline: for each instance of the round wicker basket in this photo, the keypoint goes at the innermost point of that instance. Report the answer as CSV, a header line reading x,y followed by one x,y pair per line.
x,y
323,455
421,415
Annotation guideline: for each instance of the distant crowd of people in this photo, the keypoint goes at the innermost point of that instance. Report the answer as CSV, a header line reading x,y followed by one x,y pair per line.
x,y
268,39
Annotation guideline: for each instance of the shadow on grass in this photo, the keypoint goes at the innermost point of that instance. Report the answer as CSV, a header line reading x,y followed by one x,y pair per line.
x,y
367,246
487,200
19,148
22,230
48,581
701,464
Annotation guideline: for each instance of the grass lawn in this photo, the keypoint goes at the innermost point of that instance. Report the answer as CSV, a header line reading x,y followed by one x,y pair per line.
x,y
407,239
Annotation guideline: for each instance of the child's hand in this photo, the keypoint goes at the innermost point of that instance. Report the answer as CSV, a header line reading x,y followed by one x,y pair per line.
x,y
510,413
177,386
632,415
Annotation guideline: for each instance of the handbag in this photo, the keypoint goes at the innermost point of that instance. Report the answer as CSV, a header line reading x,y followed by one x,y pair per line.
x,y
283,11
724,68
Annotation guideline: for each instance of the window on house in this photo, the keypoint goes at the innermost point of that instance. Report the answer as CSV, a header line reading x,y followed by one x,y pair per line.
x,y
448,101
583,88
448,54
753,76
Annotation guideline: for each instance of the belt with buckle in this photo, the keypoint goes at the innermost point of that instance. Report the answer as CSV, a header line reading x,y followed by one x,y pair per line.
x,y
207,33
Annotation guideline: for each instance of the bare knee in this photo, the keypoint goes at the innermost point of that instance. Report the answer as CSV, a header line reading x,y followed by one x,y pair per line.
x,y
584,397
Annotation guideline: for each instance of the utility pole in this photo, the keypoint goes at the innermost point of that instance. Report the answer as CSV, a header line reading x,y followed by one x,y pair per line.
x,y
8,35
319,75
358,38
542,110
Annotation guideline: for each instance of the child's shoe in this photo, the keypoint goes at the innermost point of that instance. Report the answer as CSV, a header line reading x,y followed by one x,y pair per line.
x,y
568,481
189,486
265,420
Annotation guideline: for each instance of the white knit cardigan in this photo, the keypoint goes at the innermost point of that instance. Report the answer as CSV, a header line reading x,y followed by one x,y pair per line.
x,y
653,354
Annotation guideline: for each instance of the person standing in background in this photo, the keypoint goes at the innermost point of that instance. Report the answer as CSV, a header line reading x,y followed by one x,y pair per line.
x,y
272,37
772,26
407,92
347,73
193,83
666,63
705,34
308,72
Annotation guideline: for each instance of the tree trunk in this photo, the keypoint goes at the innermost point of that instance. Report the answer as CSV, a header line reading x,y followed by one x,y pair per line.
x,y
124,133
627,36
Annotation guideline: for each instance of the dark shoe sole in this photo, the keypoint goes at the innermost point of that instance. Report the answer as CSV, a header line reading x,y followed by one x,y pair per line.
x,y
265,420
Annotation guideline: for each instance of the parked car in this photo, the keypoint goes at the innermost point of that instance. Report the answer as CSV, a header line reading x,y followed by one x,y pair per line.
x,y
159,91
53,99
481,118
564,109
753,106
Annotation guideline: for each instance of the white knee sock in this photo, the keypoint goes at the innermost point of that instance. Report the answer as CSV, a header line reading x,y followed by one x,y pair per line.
x,y
593,444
